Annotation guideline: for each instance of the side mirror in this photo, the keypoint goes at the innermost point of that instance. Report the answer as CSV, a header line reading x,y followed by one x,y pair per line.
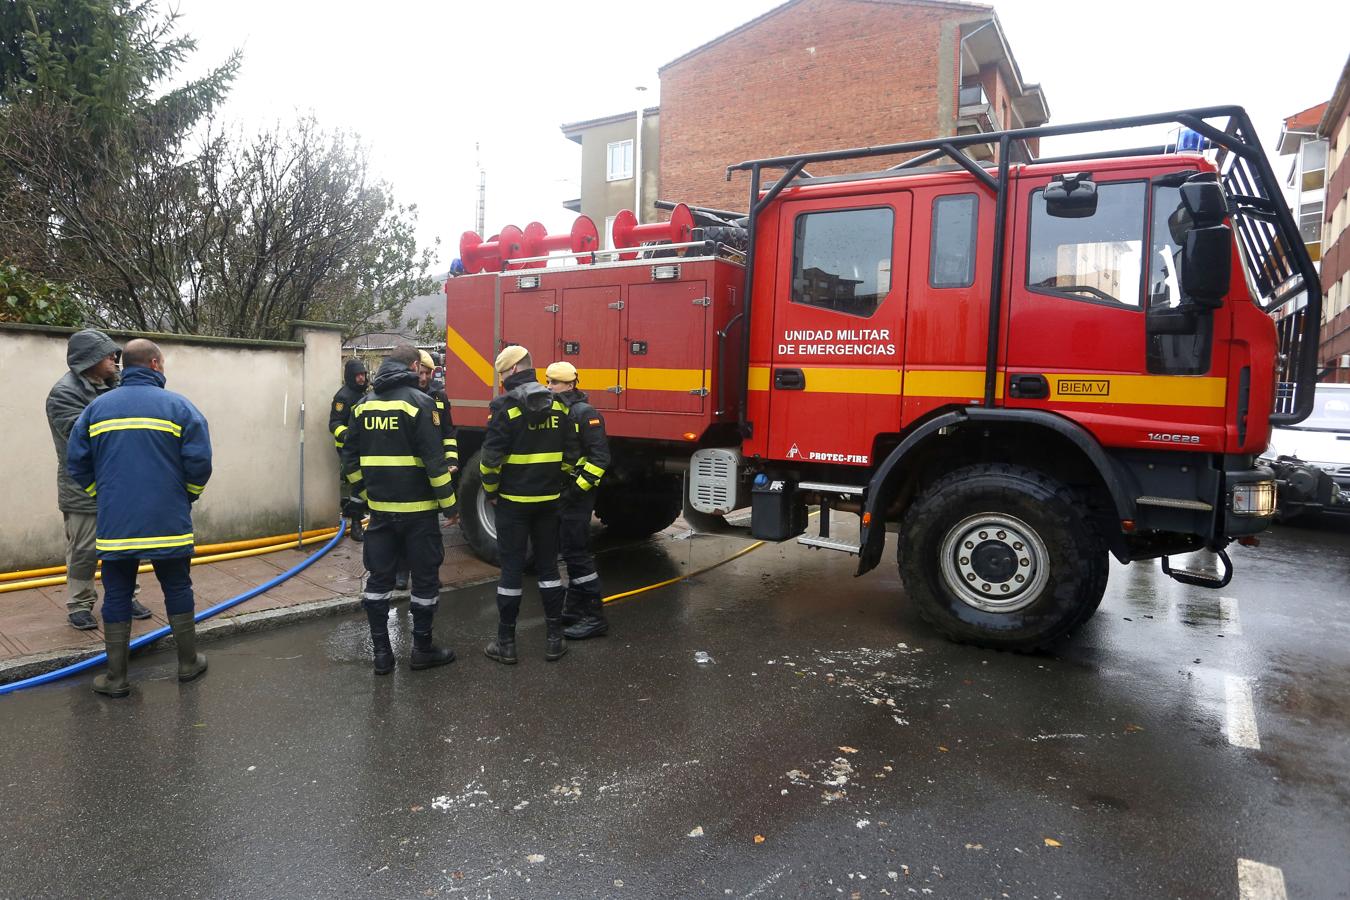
x,y
1204,200
1207,264
1071,196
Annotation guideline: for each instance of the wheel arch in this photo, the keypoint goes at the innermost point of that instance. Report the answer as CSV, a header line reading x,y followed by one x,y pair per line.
x,y
1032,437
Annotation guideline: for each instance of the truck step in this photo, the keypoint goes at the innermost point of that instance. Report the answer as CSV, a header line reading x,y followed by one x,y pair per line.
x,y
1201,579
829,544
824,488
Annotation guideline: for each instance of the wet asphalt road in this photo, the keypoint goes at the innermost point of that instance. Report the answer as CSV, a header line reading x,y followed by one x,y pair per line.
x,y
833,747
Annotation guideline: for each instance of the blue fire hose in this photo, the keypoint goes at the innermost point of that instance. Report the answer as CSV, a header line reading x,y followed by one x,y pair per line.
x,y
202,616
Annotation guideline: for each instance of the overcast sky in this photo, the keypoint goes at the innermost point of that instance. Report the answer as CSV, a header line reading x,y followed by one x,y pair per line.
x,y
423,82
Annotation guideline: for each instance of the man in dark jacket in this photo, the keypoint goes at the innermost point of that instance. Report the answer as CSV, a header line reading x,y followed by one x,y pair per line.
x,y
145,454
521,466
395,461
353,388
92,357
584,608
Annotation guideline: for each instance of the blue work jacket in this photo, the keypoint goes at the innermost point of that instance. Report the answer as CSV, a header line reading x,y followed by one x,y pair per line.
x,y
145,455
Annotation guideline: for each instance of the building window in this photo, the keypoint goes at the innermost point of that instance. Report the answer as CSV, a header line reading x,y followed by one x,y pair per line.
x,y
1314,165
841,259
609,232
1097,258
952,257
620,156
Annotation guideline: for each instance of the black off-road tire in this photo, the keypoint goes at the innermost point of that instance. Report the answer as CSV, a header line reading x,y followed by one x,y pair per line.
x,y
1002,556
640,508
477,518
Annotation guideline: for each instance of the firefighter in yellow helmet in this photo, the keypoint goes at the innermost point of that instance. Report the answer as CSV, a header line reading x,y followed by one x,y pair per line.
x,y
583,610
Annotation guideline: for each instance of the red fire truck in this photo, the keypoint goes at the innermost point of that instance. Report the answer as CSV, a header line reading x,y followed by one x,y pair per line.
x,y
1019,368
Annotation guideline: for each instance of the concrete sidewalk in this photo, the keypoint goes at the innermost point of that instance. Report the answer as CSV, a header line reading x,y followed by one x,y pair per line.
x,y
35,636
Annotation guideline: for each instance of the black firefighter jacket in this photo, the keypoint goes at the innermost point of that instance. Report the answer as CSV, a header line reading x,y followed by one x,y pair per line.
x,y
523,449
593,446
392,454
350,394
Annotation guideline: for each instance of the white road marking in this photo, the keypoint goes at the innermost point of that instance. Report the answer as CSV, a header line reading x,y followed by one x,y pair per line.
x,y
1258,881
1241,713
1228,607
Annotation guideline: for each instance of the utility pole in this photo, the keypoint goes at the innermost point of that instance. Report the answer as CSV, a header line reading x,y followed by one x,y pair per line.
x,y
637,156
482,189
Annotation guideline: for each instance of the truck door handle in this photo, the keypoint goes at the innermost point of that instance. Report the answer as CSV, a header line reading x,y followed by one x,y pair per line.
x,y
789,379
1030,387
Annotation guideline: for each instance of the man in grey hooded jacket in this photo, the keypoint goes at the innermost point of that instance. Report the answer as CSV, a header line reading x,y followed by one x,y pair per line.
x,y
92,357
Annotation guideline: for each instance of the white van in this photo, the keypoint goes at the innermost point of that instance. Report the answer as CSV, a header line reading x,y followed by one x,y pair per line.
x,y
1312,459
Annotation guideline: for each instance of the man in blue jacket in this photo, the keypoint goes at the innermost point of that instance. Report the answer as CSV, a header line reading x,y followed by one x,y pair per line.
x,y
144,454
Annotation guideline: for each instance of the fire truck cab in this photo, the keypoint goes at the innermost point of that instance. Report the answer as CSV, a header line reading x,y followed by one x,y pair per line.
x,y
1018,368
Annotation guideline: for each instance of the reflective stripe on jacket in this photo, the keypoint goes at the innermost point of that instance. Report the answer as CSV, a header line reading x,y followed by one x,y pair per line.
x,y
592,444
523,448
144,453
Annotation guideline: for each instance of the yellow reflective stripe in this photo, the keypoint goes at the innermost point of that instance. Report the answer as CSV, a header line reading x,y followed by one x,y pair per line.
x,y
489,470
440,480
337,432
440,404
339,444
377,461
136,422
568,467
593,469
584,484
520,498
513,412
385,406
456,344
91,490
947,383
354,477
196,488
491,488
405,506
447,502
666,379
526,459
449,442
1144,390
145,543
557,405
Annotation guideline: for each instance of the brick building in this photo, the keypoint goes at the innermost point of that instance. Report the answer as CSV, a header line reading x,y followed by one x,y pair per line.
x,y
1334,127
821,75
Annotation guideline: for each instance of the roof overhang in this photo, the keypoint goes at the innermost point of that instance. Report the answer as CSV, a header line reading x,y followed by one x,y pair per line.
x,y
574,130
983,44
1336,106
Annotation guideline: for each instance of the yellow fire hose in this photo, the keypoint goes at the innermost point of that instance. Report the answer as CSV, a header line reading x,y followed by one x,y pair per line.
x,y
290,543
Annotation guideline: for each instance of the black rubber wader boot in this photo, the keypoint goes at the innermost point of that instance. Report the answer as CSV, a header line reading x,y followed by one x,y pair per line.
x,y
191,664
574,610
503,649
356,531
592,624
379,639
426,654
117,641
555,647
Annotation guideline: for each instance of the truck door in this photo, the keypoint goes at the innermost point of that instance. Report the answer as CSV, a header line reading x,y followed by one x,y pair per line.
x,y
590,341
530,319
839,318
1078,341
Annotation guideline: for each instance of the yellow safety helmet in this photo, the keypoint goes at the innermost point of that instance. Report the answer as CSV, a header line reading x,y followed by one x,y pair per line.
x,y
426,361
561,371
507,359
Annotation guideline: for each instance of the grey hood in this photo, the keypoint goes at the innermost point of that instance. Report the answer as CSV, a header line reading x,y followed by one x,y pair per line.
x,y
87,347
532,396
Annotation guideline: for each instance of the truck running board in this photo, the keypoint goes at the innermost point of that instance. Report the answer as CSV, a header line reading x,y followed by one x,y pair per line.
x,y
829,544
1201,579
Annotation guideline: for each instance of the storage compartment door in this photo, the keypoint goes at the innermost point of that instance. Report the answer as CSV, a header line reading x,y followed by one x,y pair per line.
x,y
590,341
665,348
530,319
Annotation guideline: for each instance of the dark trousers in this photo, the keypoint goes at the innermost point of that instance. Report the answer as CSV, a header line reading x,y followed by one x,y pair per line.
x,y
410,538
119,586
518,526
574,545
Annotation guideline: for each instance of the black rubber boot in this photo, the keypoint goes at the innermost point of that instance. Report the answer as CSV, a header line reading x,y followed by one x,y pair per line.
x,y
573,610
426,654
503,649
117,641
356,531
555,647
379,639
592,624
191,664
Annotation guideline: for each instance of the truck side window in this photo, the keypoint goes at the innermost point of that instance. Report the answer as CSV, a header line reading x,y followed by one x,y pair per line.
x,y
952,256
841,259
1098,258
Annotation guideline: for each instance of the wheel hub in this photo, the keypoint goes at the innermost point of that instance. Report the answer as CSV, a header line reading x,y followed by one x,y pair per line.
x,y
993,562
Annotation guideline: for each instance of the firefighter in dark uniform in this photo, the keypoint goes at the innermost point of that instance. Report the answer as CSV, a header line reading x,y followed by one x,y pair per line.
x,y
521,466
394,459
353,388
583,610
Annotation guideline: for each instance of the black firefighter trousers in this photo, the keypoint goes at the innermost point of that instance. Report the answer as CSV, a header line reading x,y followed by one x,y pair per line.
x,y
411,537
574,540
520,525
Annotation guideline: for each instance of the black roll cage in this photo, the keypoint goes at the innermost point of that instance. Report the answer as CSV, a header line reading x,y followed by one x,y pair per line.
x,y
1276,258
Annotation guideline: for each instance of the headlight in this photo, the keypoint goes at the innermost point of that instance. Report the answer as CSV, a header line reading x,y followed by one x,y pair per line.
x,y
1255,498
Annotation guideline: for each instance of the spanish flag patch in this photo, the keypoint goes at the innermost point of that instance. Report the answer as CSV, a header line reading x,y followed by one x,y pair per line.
x,y
594,422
